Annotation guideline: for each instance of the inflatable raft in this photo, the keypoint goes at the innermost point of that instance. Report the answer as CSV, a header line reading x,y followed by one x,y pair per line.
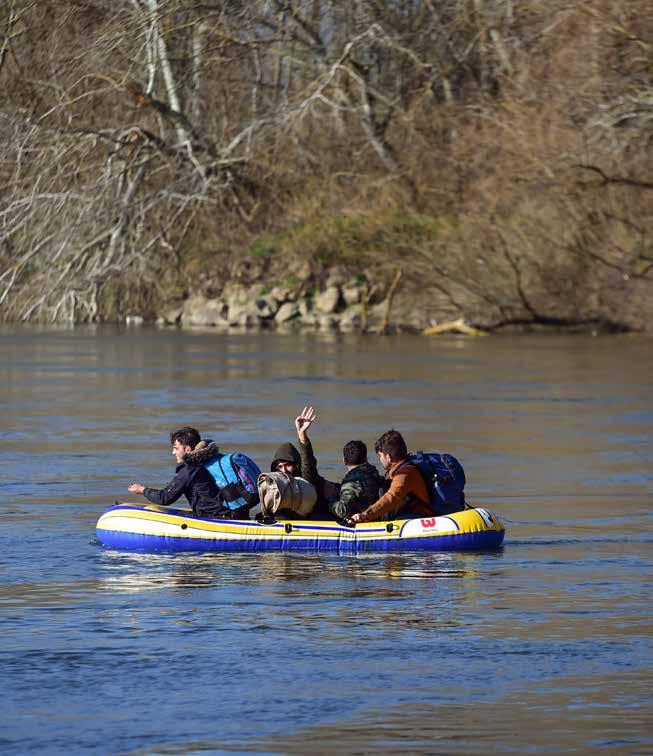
x,y
156,528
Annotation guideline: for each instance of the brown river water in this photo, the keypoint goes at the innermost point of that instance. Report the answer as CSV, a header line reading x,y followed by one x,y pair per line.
x,y
543,646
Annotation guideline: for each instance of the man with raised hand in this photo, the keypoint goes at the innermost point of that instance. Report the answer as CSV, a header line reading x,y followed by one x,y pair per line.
x,y
326,490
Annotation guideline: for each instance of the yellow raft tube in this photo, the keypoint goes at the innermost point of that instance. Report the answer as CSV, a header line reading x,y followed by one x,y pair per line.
x,y
155,528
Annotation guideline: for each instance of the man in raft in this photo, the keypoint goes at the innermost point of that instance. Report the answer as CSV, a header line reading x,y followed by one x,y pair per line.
x,y
407,495
191,479
361,486
302,464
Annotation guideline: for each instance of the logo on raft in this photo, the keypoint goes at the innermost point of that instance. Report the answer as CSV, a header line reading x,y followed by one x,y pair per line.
x,y
470,520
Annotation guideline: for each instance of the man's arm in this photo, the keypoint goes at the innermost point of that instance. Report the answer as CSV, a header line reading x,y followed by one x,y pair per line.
x,y
164,496
327,491
350,493
309,464
399,490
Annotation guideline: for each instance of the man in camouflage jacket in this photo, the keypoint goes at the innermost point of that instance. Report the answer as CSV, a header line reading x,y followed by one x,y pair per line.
x,y
361,486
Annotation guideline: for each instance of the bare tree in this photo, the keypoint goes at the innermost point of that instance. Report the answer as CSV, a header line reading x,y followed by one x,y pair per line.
x,y
136,132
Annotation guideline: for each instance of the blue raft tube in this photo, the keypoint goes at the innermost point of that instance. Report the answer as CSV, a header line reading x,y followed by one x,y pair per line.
x,y
155,528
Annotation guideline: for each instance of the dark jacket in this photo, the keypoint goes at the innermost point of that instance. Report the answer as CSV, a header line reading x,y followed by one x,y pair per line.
x,y
197,484
361,486
327,490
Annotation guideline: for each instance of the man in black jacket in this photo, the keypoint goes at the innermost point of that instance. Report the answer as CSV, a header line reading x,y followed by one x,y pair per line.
x,y
191,479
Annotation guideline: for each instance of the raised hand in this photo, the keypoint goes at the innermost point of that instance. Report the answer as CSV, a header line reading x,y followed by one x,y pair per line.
x,y
303,422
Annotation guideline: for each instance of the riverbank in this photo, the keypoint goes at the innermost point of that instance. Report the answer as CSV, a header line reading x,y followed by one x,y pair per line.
x,y
341,303
301,297
554,260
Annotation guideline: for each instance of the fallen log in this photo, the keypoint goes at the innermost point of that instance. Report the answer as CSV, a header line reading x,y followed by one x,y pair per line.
x,y
453,326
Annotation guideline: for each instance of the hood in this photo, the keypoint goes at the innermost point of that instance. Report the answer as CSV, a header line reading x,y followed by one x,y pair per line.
x,y
202,454
285,453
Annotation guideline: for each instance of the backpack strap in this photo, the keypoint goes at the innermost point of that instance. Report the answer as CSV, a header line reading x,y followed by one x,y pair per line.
x,y
233,491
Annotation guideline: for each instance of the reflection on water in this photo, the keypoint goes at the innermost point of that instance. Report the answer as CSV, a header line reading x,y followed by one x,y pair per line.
x,y
135,572
543,645
145,572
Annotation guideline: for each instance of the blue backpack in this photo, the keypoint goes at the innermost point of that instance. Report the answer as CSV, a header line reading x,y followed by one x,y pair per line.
x,y
237,476
445,480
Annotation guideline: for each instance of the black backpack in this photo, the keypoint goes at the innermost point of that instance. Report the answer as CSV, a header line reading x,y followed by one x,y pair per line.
x,y
445,480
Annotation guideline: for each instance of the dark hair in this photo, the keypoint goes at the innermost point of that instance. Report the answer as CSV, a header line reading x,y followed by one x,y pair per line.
x,y
392,443
354,453
186,436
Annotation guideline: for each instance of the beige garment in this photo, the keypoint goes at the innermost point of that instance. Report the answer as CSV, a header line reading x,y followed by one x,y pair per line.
x,y
280,491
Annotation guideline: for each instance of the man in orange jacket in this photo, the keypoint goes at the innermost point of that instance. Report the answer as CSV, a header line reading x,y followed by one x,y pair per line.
x,y
407,495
